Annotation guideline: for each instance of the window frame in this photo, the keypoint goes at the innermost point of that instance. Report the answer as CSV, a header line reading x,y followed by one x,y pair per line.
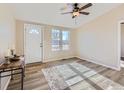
x,y
54,49
61,39
67,40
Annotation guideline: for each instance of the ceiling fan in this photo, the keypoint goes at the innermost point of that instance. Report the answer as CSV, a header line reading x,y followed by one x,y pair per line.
x,y
76,10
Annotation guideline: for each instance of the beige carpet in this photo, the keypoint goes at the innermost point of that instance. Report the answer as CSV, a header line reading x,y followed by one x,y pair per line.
x,y
76,76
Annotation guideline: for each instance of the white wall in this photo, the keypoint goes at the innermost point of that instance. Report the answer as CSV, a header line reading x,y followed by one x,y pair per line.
x,y
97,41
122,40
7,29
7,36
48,54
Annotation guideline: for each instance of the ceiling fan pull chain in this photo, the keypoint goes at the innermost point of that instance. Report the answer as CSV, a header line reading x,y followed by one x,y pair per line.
x,y
76,20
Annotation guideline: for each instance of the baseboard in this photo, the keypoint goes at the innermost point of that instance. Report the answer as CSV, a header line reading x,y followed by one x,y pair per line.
x,y
89,60
50,60
114,68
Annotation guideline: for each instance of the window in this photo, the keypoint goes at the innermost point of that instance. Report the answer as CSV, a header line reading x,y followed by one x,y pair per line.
x,y
55,40
60,40
34,31
65,40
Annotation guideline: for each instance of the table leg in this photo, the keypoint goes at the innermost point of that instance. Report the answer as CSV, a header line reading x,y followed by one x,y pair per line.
x,y
24,71
0,81
22,78
11,74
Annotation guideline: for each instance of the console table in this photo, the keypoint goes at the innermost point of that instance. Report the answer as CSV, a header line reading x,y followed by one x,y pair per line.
x,y
15,67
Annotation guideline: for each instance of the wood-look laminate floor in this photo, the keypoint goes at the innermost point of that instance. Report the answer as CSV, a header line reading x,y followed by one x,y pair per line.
x,y
35,80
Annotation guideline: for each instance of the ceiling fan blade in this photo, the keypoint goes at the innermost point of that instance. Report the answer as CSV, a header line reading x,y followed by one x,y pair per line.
x,y
84,13
86,6
66,13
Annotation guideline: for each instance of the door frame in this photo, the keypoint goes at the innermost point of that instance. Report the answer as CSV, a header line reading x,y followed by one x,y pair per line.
x,y
24,40
119,43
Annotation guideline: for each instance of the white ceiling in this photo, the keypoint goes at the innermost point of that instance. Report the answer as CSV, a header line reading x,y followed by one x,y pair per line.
x,y
47,13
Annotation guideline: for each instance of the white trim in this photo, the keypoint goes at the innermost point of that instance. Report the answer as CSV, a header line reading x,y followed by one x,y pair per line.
x,y
24,35
43,28
42,39
119,43
89,60
50,60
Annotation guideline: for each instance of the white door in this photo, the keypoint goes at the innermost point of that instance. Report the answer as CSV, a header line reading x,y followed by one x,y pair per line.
x,y
33,43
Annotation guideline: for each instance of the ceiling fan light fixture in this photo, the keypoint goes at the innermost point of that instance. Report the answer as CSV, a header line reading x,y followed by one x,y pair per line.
x,y
76,13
